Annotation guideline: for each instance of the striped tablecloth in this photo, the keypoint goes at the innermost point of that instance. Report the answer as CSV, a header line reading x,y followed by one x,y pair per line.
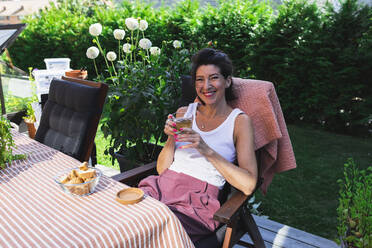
x,y
34,212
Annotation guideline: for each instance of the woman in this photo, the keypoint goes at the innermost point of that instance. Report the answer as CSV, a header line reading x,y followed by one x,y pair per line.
x,y
195,163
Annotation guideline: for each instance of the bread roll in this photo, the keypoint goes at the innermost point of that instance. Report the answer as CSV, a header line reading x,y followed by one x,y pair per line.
x,y
65,179
76,180
87,174
83,166
73,174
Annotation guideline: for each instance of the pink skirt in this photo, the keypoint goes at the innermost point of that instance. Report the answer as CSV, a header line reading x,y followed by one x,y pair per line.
x,y
193,201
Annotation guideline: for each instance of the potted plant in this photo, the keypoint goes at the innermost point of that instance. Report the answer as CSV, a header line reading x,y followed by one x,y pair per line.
x,y
30,119
355,208
144,87
6,144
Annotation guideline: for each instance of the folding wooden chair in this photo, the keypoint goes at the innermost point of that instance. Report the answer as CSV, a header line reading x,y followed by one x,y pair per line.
x,y
274,154
234,215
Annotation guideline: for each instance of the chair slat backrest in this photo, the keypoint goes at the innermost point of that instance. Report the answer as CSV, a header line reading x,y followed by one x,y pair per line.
x,y
70,116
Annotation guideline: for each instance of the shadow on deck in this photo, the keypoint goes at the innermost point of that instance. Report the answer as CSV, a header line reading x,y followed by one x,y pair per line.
x,y
278,235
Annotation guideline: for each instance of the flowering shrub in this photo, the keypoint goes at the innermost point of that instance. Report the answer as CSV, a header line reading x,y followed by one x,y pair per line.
x,y
144,86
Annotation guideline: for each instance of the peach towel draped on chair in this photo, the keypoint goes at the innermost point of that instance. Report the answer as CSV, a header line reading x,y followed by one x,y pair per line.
x,y
258,100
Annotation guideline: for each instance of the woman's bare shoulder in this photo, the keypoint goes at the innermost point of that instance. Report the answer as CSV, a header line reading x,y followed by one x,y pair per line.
x,y
243,124
182,109
243,119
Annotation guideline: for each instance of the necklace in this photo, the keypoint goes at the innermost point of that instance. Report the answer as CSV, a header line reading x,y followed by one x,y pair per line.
x,y
202,124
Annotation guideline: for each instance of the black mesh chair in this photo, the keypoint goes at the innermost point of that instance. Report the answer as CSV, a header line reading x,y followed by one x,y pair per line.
x,y
234,215
70,116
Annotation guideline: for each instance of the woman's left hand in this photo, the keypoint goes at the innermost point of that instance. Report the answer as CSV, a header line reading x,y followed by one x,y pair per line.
x,y
189,135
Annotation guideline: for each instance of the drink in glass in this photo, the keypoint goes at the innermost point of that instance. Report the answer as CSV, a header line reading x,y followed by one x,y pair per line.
x,y
182,121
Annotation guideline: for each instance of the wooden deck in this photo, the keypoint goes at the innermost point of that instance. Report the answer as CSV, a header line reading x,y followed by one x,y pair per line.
x,y
278,235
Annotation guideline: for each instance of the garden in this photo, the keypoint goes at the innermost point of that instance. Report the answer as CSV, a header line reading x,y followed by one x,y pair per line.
x,y
318,57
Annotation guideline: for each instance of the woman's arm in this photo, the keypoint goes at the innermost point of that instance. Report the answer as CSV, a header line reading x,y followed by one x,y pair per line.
x,y
166,155
243,177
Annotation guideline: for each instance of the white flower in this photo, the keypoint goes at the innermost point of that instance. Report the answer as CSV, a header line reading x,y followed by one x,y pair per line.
x,y
145,43
131,23
95,29
111,56
177,44
119,34
126,48
92,52
342,111
155,51
143,25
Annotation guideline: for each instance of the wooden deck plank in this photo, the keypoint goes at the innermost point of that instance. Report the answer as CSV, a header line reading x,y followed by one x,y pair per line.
x,y
279,240
278,235
294,233
267,245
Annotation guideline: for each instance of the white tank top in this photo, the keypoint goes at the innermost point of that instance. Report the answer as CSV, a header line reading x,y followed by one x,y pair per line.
x,y
189,161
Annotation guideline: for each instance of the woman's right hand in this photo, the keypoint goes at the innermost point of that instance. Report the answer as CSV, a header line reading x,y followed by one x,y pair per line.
x,y
170,127
166,156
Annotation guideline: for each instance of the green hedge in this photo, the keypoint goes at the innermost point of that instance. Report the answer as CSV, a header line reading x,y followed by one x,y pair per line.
x,y
319,59
234,28
321,64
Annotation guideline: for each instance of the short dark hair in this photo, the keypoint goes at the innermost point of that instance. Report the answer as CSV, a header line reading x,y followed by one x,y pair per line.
x,y
209,56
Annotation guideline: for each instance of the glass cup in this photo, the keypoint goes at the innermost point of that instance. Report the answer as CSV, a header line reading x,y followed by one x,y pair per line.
x,y
181,120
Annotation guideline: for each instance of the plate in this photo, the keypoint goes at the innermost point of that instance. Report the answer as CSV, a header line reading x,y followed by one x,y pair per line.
x,y
129,195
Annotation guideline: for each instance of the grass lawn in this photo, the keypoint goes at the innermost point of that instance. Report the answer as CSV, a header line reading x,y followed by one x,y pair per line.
x,y
101,144
307,197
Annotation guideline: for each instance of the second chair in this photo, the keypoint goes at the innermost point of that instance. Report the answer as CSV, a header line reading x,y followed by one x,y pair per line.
x,y
70,116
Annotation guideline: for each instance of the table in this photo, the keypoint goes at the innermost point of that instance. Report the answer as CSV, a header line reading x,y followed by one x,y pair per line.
x,y
35,212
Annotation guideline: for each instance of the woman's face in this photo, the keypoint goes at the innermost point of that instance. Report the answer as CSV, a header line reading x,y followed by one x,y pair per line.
x,y
210,84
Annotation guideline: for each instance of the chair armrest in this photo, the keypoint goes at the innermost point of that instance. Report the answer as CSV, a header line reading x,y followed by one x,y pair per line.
x,y
135,174
230,209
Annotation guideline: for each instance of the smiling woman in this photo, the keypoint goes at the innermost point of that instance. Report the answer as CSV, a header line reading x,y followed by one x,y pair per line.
x,y
210,84
212,68
198,161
